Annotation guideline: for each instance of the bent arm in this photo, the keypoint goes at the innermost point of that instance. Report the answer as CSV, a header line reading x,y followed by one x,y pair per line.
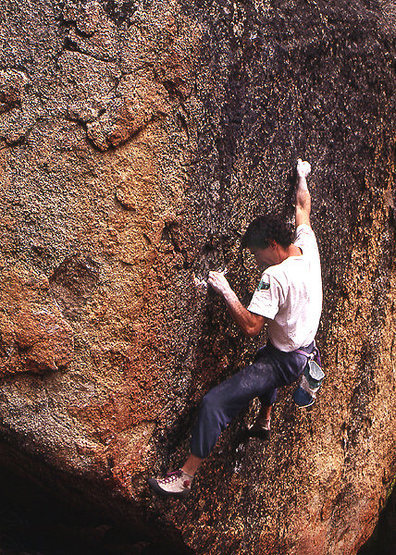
x,y
250,324
303,198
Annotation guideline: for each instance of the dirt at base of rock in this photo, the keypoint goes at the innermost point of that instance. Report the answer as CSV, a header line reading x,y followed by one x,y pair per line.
x,y
32,522
56,530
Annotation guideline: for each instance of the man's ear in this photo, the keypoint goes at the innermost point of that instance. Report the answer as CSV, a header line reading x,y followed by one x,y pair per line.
x,y
273,244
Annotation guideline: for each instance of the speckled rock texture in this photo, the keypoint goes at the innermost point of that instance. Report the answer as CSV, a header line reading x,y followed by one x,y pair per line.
x,y
137,140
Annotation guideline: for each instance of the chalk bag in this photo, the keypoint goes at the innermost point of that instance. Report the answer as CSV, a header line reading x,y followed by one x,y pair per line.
x,y
311,380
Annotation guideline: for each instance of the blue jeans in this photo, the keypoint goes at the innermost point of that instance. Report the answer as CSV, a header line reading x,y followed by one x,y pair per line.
x,y
270,369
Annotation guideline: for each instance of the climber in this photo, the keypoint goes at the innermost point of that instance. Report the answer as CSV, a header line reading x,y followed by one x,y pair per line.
x,y
289,300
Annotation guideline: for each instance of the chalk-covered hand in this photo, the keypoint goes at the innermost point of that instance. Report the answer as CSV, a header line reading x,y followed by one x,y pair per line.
x,y
303,168
218,282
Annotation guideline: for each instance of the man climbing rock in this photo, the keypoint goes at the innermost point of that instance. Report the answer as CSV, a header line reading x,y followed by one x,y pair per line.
x,y
289,299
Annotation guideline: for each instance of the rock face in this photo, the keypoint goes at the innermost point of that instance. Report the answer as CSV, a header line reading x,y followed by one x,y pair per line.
x,y
137,140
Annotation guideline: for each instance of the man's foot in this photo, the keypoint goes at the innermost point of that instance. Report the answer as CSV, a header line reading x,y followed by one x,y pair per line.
x,y
302,398
174,484
258,430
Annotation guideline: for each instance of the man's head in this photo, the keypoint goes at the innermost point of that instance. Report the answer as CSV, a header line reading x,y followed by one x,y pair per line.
x,y
265,237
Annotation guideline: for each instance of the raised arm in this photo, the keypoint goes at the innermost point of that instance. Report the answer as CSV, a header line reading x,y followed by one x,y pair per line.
x,y
303,198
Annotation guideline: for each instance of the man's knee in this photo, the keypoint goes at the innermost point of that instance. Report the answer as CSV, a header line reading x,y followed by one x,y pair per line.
x,y
213,408
210,402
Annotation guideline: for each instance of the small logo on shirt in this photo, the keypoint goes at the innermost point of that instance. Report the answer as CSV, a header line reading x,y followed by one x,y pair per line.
x,y
263,286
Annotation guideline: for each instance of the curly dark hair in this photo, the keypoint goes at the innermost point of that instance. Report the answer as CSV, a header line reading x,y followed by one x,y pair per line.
x,y
264,229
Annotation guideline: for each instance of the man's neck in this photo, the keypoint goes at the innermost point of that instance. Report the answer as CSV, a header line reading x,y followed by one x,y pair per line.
x,y
291,250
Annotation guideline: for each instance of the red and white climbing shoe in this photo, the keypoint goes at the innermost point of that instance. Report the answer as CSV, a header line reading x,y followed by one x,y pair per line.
x,y
174,484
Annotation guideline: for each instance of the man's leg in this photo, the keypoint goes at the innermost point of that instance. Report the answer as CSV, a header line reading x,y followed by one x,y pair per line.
x,y
262,425
192,464
225,401
265,414
271,369
221,405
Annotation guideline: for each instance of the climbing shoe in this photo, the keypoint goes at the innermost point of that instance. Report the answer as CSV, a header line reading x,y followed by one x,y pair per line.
x,y
258,431
174,484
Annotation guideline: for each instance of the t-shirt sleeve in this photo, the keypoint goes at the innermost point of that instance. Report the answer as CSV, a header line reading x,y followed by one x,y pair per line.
x,y
267,297
306,240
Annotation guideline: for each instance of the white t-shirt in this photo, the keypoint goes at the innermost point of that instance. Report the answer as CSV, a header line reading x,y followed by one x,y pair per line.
x,y
290,295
